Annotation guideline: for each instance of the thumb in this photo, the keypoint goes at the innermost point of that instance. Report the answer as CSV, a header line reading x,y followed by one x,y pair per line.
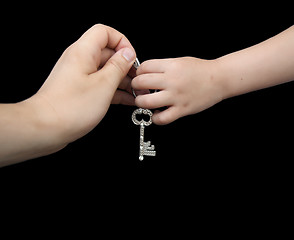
x,y
117,67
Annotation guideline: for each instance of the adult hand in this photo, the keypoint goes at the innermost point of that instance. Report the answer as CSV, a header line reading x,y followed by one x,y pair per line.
x,y
73,99
77,92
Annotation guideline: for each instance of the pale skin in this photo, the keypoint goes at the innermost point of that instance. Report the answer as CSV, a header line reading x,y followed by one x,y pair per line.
x,y
189,85
90,73
73,99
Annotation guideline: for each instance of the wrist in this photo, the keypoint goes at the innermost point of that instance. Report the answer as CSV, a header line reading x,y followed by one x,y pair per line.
x,y
223,78
27,132
45,128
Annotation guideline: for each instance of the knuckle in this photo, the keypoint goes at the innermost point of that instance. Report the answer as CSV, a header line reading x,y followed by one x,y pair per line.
x,y
175,65
98,29
69,50
71,54
144,67
161,119
98,26
116,65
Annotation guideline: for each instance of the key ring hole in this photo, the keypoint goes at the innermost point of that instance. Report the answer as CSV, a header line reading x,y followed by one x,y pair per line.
x,y
147,117
144,117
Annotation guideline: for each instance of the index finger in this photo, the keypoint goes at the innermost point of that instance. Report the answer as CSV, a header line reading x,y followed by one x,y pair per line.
x,y
90,45
103,36
153,66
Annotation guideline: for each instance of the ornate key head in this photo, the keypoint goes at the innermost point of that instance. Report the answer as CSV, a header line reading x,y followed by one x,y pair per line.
x,y
142,111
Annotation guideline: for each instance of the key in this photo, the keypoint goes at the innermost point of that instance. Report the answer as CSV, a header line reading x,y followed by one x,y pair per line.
x,y
146,149
136,63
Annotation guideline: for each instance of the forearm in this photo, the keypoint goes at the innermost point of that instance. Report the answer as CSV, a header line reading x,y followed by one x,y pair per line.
x,y
263,65
26,132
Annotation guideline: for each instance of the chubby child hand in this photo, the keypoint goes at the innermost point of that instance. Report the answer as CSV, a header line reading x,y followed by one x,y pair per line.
x,y
186,86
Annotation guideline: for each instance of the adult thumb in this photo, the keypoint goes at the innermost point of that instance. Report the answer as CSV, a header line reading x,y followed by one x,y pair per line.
x,y
117,67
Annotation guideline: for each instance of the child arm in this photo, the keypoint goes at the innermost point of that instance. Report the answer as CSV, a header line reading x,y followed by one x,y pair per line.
x,y
189,85
263,65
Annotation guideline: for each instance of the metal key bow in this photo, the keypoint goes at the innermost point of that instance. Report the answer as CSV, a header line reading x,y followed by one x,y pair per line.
x,y
146,149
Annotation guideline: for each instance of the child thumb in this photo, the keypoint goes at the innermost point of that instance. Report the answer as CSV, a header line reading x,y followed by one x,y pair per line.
x,y
117,67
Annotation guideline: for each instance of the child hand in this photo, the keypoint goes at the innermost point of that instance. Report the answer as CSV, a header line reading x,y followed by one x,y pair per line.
x,y
187,86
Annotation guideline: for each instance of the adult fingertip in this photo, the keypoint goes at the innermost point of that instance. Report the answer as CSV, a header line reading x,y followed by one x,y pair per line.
x,y
117,67
129,54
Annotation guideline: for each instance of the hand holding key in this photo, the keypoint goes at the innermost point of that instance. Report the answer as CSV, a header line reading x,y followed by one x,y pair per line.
x,y
73,99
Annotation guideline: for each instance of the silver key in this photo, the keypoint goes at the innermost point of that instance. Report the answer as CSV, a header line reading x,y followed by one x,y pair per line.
x,y
146,149
136,63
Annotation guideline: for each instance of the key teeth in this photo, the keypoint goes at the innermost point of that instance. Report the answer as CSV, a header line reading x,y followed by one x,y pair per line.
x,y
150,153
147,153
148,146
151,147
147,150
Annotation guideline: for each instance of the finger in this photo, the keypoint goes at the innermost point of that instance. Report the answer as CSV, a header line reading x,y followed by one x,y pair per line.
x,y
149,81
122,97
154,100
165,117
103,36
106,53
117,67
152,66
97,38
125,84
140,92
132,72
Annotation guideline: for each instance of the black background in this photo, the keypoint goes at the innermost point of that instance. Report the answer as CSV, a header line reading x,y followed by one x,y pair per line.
x,y
224,157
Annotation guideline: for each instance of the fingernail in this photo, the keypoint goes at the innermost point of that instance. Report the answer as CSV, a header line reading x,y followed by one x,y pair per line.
x,y
128,54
